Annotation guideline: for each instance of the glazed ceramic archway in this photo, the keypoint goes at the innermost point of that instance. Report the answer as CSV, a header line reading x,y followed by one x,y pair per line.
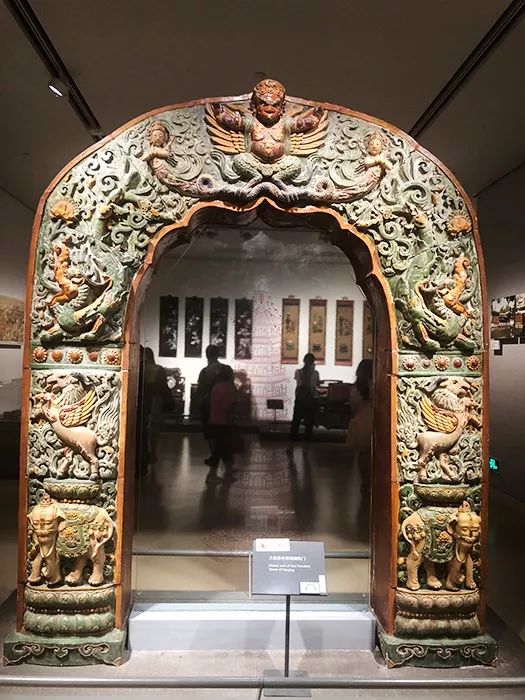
x,y
411,233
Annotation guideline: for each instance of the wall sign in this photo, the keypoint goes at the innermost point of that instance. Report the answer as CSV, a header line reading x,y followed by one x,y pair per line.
x,y
290,331
493,464
317,329
243,329
283,567
219,324
168,326
193,326
344,331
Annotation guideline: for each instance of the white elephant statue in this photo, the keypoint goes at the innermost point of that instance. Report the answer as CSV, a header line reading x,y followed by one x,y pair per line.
x,y
73,531
442,536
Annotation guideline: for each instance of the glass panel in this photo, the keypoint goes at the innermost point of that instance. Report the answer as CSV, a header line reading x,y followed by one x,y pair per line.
x,y
265,298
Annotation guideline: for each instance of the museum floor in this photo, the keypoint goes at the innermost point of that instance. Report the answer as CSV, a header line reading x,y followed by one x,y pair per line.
x,y
310,491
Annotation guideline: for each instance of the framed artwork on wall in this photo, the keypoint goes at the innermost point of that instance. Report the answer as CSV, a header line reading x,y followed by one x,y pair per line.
x,y
219,324
193,326
243,329
519,323
344,331
290,331
317,329
168,326
11,321
368,331
503,318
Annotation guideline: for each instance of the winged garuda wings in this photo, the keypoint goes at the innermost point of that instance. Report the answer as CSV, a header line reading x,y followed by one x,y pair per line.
x,y
436,418
306,143
223,139
78,413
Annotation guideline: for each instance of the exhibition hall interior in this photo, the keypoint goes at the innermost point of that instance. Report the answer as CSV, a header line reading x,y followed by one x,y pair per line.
x,y
262,343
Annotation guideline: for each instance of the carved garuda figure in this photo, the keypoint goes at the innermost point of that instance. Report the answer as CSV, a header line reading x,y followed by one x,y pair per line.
x,y
267,142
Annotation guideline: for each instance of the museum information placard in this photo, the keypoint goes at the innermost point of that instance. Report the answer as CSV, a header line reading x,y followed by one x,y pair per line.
x,y
284,567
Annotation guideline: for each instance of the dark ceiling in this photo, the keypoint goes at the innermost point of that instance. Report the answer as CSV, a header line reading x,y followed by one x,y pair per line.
x,y
389,59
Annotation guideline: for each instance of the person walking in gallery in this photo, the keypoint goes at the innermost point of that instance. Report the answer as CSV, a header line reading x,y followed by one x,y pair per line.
x,y
207,378
154,398
222,426
305,406
359,432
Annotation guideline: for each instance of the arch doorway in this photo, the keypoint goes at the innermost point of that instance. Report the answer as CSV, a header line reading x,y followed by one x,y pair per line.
x,y
411,234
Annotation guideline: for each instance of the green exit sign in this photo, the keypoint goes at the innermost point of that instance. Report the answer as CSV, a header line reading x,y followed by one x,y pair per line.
x,y
493,464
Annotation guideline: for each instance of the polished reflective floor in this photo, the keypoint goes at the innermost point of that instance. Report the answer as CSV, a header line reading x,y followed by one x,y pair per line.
x,y
302,491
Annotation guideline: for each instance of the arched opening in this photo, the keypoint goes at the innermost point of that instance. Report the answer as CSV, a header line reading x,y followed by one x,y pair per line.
x,y
355,250
410,232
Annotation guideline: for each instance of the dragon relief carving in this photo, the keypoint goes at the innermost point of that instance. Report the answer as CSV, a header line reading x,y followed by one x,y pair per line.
x,y
433,298
74,428
94,235
444,445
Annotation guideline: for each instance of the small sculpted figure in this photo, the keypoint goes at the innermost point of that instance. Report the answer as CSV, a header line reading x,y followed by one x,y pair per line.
x,y
158,153
44,521
466,534
375,163
453,293
267,142
68,278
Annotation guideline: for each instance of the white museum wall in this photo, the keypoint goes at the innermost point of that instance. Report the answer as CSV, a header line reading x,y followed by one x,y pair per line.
x,y
15,235
269,283
500,212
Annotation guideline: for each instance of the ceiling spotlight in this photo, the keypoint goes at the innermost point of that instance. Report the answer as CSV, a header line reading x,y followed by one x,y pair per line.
x,y
58,87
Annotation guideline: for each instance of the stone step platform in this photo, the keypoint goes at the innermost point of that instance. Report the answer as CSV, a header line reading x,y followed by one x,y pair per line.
x,y
253,625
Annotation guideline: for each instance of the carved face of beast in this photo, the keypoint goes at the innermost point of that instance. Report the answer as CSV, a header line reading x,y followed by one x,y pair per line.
x,y
59,380
268,101
467,528
457,386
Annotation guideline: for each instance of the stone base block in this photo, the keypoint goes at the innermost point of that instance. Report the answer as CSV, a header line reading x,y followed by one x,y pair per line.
x,y
22,647
438,653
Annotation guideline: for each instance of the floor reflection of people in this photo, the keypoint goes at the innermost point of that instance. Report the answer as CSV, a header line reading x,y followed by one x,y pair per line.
x,y
303,494
306,395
